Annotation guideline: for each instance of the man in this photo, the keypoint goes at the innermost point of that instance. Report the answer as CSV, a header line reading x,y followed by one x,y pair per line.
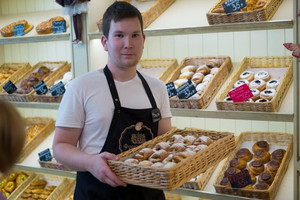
x,y
110,111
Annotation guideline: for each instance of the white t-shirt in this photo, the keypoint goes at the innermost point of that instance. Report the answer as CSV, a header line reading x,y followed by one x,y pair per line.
x,y
88,104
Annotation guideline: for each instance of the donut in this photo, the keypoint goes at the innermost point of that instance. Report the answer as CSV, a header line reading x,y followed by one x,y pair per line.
x,y
186,75
240,82
272,84
267,94
255,93
258,84
264,75
188,68
247,75
203,69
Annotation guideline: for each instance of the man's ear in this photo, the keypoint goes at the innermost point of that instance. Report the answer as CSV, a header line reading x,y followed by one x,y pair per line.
x,y
144,36
104,42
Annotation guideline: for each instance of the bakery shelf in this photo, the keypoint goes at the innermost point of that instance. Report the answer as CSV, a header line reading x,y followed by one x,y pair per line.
x,y
34,18
36,105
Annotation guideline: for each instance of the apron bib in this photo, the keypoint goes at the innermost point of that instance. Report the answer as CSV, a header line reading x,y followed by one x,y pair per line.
x,y
128,129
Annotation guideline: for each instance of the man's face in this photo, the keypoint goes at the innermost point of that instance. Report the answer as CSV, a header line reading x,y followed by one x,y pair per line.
x,y
125,43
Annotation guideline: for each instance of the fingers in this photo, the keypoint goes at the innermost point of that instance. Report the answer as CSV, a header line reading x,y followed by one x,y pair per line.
x,y
111,177
110,156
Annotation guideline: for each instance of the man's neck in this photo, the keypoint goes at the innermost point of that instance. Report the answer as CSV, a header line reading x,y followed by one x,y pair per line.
x,y
121,74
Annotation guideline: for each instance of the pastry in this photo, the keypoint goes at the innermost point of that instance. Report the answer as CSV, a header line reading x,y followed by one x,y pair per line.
x,y
50,188
158,165
278,155
177,147
200,88
203,69
256,167
266,177
257,84
132,161
219,10
161,146
213,63
200,147
146,163
8,30
214,70
169,165
176,139
179,82
244,154
188,140
186,75
255,93
249,100
247,75
253,178
207,78
272,166
231,171
260,4
262,155
144,154
238,163
272,84
228,99
37,191
240,82
158,156
10,186
267,94
248,187
12,177
188,68
261,186
262,100
198,78
190,148
38,182
260,145
203,140
178,157
46,27
225,182
264,75
31,187
168,159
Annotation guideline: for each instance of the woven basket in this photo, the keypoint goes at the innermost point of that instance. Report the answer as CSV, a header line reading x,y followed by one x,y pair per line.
x,y
68,191
25,66
44,133
212,87
169,65
283,140
150,15
49,98
171,178
59,181
262,14
19,188
259,62
53,165
29,97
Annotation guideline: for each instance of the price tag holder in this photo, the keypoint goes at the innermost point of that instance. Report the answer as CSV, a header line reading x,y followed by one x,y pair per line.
x,y
45,155
59,26
241,93
186,90
240,180
57,89
171,89
40,88
9,87
19,30
231,6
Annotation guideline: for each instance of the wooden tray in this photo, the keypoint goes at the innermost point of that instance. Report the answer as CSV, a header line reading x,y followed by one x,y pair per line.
x,y
150,15
277,139
31,176
212,87
44,133
171,178
262,14
68,191
259,62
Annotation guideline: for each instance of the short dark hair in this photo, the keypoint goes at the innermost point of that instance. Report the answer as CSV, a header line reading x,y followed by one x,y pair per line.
x,y
117,11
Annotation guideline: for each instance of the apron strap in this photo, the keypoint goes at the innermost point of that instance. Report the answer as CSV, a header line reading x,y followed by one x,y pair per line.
x,y
148,91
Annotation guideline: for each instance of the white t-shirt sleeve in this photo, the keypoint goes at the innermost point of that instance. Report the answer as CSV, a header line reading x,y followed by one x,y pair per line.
x,y
165,103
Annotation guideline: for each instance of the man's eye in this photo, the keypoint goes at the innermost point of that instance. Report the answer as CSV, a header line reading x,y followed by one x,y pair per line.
x,y
119,35
134,35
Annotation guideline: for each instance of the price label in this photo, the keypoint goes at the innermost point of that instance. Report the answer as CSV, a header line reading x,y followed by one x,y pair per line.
x,y
59,26
57,89
40,88
186,90
9,87
171,89
231,6
19,30
240,180
45,155
241,93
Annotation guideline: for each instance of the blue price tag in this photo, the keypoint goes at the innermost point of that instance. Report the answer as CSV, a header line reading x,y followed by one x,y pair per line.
x,y
171,89
231,6
19,30
186,90
59,26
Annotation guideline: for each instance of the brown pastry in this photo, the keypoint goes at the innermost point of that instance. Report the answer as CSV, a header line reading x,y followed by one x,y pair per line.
x,y
213,63
50,187
179,82
178,157
231,171
168,159
203,69
144,154
158,156
256,167
10,186
253,178
46,27
190,148
31,187
225,182
161,146
266,177
198,78
186,75
273,166
188,68
177,147
219,10
238,163
203,140
132,161
158,165
38,182
188,140
247,75
176,139
244,154
8,30
146,163
37,191
261,186
262,155
12,177
278,155
260,145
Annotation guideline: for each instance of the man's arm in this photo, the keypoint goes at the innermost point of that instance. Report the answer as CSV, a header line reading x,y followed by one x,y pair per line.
x,y
66,152
164,126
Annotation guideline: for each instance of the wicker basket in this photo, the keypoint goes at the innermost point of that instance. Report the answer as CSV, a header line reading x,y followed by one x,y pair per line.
x,y
167,65
29,97
262,14
150,15
53,165
20,187
171,178
49,98
25,66
259,62
68,191
211,89
45,132
281,140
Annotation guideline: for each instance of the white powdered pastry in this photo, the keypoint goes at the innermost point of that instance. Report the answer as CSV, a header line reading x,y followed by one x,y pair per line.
x,y
272,84
261,75
214,70
256,82
188,68
200,87
180,82
227,99
240,82
208,77
246,74
186,75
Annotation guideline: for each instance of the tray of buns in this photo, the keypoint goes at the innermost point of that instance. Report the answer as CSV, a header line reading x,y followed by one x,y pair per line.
x,y
256,10
266,156
208,73
160,68
36,129
43,186
150,10
15,181
64,75
268,78
13,72
168,161
40,71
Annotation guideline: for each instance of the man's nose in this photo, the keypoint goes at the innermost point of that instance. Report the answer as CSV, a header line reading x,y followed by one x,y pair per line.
x,y
128,42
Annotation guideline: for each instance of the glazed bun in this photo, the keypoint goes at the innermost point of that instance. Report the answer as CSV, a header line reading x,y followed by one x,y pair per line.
x,y
244,154
238,163
260,145
261,155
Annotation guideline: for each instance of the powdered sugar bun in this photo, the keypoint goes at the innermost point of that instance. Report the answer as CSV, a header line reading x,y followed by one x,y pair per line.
x,y
180,82
227,99
255,93
188,68
272,84
247,75
267,94
214,70
240,82
258,84
208,77
264,75
203,140
198,78
261,100
186,75
203,69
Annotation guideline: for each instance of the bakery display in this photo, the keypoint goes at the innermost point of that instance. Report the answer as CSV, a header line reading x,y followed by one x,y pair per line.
x,y
251,5
8,30
7,72
46,27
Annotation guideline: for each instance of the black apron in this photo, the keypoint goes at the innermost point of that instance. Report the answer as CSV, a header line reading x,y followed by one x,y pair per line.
x,y
129,128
